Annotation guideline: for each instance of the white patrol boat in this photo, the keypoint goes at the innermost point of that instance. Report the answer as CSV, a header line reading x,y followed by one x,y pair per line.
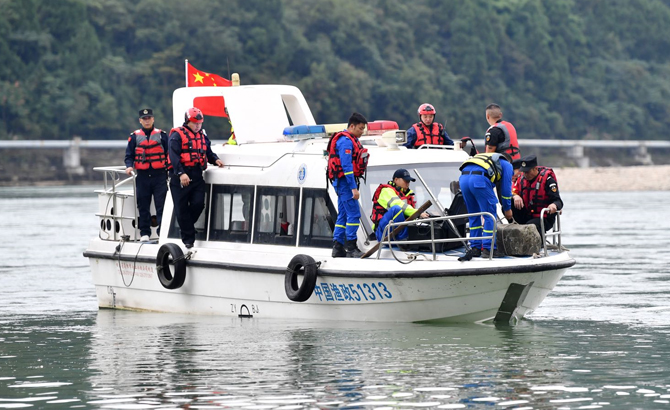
x,y
264,240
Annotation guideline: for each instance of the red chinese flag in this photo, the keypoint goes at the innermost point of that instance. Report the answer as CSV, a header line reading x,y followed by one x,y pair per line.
x,y
214,106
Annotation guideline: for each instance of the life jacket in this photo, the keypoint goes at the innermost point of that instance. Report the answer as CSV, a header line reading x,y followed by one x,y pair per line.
x,y
433,136
193,148
149,152
510,145
490,161
359,157
379,211
534,193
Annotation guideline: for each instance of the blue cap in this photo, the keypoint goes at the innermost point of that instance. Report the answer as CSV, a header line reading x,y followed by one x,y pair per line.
x,y
404,174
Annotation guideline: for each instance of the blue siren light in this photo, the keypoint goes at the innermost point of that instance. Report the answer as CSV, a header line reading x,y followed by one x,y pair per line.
x,y
303,132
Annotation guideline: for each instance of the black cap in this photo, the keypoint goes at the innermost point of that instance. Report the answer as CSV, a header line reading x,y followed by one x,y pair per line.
x,y
404,174
528,162
516,164
146,112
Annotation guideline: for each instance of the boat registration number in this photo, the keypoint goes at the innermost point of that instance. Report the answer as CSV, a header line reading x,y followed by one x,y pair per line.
x,y
360,292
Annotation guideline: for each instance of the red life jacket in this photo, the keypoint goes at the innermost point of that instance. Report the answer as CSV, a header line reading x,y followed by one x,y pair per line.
x,y
433,136
379,211
510,145
149,152
359,157
534,193
193,148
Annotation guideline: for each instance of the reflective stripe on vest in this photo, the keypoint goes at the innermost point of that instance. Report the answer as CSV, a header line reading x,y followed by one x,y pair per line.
x,y
432,136
534,192
490,161
149,152
193,148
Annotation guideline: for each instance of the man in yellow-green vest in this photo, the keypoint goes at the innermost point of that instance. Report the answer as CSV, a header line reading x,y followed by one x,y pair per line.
x,y
393,201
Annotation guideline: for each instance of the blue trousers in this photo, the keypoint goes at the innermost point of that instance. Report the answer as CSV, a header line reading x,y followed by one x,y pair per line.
x,y
479,197
150,182
394,214
348,214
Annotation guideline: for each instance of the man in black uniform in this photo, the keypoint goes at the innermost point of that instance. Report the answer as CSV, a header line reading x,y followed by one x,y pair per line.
x,y
189,152
537,189
146,154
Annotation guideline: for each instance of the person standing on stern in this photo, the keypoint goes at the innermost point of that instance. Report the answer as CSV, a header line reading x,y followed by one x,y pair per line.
x,y
146,156
189,152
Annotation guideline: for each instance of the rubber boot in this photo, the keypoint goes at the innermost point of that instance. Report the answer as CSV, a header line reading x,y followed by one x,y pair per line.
x,y
338,250
352,249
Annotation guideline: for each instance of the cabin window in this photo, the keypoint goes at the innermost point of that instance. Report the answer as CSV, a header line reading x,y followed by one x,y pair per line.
x,y
318,219
231,213
200,224
276,215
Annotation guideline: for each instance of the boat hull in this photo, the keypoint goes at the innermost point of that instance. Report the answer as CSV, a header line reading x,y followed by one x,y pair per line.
x,y
445,291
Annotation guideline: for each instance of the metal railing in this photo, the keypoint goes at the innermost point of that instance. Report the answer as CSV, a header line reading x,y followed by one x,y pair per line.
x,y
554,234
392,225
112,182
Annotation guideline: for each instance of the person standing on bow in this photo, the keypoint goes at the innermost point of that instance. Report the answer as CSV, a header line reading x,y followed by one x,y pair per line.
x,y
427,131
189,152
479,176
536,190
501,135
347,162
146,156
393,201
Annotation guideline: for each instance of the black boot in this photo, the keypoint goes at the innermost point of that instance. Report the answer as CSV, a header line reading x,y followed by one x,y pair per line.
x,y
472,252
352,249
338,250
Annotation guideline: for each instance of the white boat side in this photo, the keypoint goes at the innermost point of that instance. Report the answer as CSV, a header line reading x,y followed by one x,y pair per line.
x,y
270,202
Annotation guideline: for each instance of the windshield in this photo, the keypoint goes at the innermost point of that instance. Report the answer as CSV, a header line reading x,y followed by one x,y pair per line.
x,y
438,177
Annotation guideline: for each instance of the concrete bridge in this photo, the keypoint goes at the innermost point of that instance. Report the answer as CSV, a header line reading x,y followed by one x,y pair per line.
x,y
573,148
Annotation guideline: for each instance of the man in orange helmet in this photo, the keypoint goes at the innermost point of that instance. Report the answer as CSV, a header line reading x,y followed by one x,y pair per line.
x,y
427,131
189,151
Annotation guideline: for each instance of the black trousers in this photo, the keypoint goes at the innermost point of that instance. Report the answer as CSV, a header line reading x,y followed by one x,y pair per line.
x,y
150,183
522,216
189,201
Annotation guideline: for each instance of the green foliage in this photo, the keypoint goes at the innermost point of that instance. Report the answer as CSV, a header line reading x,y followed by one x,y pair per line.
x,y
559,68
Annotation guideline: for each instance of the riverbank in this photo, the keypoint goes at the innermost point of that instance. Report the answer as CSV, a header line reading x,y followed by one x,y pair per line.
x,y
602,179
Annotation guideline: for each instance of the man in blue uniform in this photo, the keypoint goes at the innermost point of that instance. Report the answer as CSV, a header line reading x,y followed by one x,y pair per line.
x,y
146,155
479,177
347,160
189,153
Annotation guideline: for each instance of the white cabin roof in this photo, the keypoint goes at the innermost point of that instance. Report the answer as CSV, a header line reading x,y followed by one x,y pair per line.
x,y
258,113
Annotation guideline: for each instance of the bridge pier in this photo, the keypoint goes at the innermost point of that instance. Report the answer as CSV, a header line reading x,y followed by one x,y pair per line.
x,y
576,152
72,158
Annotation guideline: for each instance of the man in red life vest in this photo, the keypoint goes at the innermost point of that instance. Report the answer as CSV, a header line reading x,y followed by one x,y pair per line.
x,y
501,135
347,161
427,131
146,155
537,189
189,152
393,201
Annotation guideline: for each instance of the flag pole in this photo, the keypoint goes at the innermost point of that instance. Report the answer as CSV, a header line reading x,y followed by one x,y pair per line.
x,y
186,71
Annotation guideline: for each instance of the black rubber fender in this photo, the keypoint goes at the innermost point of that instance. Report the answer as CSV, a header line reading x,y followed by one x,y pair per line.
x,y
171,266
305,265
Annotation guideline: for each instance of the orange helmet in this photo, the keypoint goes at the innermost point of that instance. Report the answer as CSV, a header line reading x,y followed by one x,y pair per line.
x,y
426,109
194,115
